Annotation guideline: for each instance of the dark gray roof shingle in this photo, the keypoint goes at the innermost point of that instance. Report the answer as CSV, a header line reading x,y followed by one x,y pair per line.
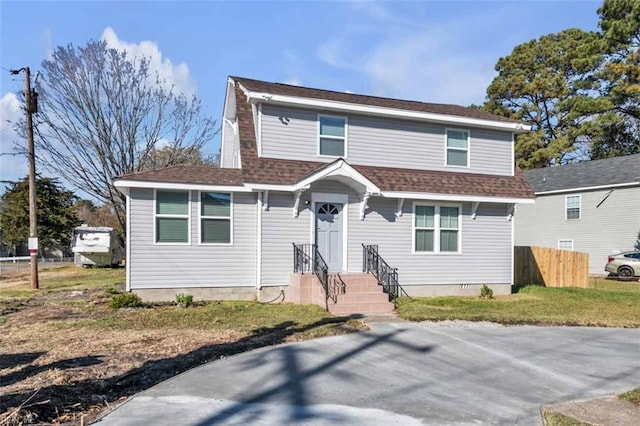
x,y
610,171
352,98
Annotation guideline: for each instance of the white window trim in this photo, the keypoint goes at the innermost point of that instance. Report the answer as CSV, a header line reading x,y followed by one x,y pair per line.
x,y
447,148
565,241
437,229
200,217
346,135
178,216
566,206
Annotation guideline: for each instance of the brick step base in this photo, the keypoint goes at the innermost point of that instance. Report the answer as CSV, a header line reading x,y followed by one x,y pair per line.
x,y
357,293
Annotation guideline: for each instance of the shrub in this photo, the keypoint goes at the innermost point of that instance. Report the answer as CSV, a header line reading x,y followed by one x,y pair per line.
x,y
125,300
184,300
112,291
486,292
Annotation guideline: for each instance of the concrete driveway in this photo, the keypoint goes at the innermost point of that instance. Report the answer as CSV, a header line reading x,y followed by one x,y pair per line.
x,y
398,373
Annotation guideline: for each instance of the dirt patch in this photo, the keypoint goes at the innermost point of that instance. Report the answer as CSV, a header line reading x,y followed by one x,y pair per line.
x,y
53,371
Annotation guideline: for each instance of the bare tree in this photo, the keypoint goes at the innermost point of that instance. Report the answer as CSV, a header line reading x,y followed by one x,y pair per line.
x,y
102,113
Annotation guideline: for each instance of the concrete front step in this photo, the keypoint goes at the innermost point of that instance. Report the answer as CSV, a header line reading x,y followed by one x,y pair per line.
x,y
362,297
360,308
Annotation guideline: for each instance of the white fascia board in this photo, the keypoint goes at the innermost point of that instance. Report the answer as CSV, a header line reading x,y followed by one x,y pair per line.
x,y
340,168
385,112
589,188
446,197
270,187
183,186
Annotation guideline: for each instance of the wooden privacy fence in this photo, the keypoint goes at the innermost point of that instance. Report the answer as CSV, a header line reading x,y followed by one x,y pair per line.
x,y
550,267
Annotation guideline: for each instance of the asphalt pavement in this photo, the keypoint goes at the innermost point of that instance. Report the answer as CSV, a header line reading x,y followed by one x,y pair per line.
x,y
398,373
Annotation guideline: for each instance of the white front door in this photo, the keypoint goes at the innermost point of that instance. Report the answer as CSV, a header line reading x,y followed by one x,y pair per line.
x,y
329,234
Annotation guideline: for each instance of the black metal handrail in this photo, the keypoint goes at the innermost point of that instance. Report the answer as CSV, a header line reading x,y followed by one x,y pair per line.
x,y
307,259
387,276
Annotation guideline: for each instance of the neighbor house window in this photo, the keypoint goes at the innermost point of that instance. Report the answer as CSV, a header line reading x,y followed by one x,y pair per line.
x,y
172,216
565,244
573,207
332,135
436,229
215,218
457,148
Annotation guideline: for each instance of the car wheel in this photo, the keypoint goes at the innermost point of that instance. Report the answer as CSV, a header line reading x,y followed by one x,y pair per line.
x,y
625,271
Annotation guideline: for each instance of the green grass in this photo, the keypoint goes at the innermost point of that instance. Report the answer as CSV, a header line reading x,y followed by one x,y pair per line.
x,y
607,303
65,278
309,320
633,396
556,419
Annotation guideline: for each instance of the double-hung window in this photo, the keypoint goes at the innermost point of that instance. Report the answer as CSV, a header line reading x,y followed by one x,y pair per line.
x,y
215,218
436,229
172,217
572,207
332,136
457,148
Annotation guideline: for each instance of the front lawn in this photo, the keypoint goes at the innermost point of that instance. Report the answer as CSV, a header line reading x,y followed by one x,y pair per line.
x,y
606,303
66,355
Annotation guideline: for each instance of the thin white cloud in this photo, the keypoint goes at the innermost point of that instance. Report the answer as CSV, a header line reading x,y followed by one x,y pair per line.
x,y
172,74
410,57
293,81
11,167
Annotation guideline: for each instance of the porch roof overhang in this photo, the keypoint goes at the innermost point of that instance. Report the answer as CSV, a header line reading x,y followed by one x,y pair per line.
x,y
338,169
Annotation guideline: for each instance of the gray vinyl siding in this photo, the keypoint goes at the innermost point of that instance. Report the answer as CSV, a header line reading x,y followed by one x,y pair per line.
x,y
228,148
486,241
193,265
485,257
600,230
291,133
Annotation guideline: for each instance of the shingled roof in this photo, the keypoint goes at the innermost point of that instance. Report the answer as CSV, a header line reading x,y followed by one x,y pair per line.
x,y
261,170
609,171
307,92
287,172
201,175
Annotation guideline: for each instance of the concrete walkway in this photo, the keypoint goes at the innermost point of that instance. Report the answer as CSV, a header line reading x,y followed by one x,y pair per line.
x,y
399,373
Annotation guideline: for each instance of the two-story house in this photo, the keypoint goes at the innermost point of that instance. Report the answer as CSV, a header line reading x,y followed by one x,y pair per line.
x,y
591,207
314,180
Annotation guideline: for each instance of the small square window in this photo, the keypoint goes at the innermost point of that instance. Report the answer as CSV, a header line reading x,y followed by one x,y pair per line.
x,y
172,217
332,135
457,148
565,244
573,207
215,218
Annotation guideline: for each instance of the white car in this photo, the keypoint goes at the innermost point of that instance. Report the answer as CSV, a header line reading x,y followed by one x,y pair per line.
x,y
625,264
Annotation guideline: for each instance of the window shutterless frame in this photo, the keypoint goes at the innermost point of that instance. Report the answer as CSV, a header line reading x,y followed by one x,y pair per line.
x,y
437,228
455,149
572,207
202,218
565,245
157,216
344,138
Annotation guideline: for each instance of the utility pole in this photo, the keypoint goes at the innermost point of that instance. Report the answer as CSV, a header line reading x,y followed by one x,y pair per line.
x,y
31,107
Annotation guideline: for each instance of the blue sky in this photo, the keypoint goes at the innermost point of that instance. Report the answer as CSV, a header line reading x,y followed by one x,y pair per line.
x,y
433,51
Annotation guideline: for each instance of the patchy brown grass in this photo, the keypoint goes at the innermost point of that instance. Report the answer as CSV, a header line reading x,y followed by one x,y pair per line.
x,y
65,355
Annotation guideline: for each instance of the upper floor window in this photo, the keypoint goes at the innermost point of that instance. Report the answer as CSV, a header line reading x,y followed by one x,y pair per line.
x,y
172,217
436,228
457,148
332,135
215,218
572,207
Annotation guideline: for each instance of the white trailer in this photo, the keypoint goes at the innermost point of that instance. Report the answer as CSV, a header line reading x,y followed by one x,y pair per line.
x,y
96,246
